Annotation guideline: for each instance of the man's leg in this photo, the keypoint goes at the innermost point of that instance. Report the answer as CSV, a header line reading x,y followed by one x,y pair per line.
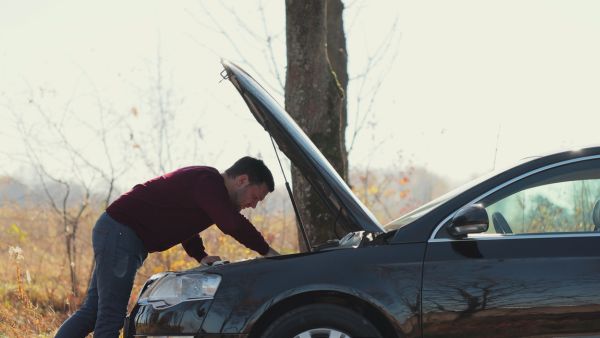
x,y
123,254
82,322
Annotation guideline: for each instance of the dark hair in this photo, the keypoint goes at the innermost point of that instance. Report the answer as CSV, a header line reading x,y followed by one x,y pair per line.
x,y
256,170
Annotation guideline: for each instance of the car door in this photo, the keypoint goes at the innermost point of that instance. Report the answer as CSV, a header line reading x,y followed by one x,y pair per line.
x,y
535,272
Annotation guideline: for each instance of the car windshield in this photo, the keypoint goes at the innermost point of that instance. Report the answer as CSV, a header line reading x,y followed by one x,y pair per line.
x,y
426,208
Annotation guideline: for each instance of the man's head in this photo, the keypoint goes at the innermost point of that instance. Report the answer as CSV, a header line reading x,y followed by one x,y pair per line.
x,y
248,181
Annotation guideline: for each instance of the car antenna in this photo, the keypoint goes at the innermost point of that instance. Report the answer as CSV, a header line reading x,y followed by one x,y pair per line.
x,y
287,186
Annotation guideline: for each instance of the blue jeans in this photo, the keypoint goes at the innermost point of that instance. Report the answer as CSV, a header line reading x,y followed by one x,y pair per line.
x,y
119,253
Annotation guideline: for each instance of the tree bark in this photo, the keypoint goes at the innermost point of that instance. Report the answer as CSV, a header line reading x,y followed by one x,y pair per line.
x,y
315,99
70,243
338,57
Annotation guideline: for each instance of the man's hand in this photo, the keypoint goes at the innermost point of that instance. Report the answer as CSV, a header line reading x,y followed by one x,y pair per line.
x,y
271,253
208,260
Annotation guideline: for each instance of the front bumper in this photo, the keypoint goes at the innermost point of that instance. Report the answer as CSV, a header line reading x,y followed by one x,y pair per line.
x,y
184,319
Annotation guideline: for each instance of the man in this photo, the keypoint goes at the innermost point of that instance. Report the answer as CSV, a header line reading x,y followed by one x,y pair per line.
x,y
157,215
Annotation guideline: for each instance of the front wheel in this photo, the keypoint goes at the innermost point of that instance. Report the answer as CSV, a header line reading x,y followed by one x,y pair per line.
x,y
321,321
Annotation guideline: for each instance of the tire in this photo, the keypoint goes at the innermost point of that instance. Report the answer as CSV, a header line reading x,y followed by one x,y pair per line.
x,y
321,321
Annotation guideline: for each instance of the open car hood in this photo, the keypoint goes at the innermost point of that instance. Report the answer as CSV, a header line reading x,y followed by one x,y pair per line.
x,y
353,215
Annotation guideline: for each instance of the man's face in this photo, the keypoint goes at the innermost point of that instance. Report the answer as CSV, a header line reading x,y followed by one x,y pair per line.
x,y
247,195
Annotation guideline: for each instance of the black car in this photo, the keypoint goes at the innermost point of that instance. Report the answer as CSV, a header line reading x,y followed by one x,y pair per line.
x,y
513,254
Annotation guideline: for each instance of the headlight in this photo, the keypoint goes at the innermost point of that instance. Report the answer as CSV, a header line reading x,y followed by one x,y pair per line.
x,y
173,289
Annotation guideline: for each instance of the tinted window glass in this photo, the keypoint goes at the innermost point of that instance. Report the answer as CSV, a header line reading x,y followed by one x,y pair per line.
x,y
556,207
559,199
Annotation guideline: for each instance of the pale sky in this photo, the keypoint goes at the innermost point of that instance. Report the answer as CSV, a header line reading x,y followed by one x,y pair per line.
x,y
464,84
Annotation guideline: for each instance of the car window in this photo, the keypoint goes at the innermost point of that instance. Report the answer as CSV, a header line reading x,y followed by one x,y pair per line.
x,y
426,208
554,201
557,207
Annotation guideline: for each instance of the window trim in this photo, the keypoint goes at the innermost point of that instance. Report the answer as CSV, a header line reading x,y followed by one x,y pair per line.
x,y
501,186
523,236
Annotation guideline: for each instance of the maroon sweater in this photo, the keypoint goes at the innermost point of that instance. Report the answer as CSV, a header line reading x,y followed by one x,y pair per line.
x,y
175,207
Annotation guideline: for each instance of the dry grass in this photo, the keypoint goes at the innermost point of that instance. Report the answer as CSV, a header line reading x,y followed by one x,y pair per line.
x,y
23,319
35,289
20,316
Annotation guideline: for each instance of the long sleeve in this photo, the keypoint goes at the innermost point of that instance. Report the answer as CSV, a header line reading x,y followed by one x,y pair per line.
x,y
213,199
194,247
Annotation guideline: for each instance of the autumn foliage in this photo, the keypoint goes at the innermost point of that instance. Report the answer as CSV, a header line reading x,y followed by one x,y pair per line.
x,y
35,288
34,283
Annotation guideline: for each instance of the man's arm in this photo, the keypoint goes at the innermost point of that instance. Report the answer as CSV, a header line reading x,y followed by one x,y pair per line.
x,y
194,248
212,198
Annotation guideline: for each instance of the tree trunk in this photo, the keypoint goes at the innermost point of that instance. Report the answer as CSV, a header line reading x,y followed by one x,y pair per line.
x,y
315,99
338,57
70,243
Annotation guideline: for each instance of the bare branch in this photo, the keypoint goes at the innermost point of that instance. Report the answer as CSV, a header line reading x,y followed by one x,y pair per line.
x,y
361,117
241,22
222,31
34,159
274,67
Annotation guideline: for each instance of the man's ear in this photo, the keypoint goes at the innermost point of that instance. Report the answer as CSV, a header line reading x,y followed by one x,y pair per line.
x,y
242,180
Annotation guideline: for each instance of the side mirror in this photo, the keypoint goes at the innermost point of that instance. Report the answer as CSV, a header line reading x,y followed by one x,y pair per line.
x,y
471,219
